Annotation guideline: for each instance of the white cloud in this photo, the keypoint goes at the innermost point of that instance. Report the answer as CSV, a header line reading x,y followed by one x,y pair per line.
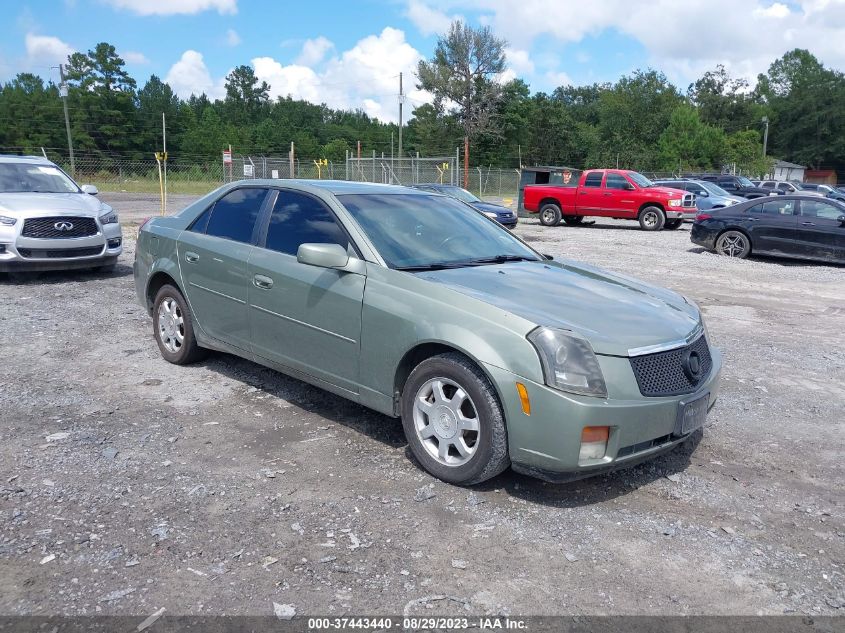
x,y
232,37
45,51
557,79
190,76
427,20
134,57
777,10
519,60
314,51
366,76
174,7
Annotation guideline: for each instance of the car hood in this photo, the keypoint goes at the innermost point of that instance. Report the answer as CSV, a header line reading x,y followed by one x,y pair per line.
x,y
40,204
668,191
615,313
489,207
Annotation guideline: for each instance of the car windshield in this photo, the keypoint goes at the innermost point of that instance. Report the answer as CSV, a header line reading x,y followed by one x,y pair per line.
x,y
712,188
798,186
413,231
744,181
641,180
31,178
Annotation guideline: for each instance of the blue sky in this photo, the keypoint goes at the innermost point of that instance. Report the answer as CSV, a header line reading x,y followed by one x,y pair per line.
x,y
349,54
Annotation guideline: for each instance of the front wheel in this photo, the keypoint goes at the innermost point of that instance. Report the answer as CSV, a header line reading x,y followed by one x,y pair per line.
x,y
173,328
550,215
652,219
733,244
573,220
453,421
671,225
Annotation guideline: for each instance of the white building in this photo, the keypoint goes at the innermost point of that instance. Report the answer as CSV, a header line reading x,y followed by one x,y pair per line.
x,y
787,171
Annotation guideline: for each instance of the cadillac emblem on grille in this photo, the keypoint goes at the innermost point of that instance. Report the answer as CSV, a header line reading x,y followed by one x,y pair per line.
x,y
63,225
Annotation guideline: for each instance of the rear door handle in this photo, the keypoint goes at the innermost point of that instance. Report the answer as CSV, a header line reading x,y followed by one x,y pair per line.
x,y
191,257
261,281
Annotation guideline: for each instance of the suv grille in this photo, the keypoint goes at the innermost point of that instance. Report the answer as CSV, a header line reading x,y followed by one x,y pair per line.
x,y
46,227
64,253
689,200
663,374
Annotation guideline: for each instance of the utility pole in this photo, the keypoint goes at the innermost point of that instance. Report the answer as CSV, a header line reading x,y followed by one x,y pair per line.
x,y
765,135
401,103
63,93
164,149
466,162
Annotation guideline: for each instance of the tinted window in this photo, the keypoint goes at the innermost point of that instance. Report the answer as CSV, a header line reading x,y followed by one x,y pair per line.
x,y
824,210
593,179
201,223
775,207
768,184
616,181
234,215
300,219
784,187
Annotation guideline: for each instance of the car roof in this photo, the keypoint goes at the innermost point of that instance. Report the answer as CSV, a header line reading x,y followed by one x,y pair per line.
x,y
336,187
35,160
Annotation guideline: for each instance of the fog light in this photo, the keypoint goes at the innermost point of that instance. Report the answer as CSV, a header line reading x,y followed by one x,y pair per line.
x,y
114,242
593,443
523,398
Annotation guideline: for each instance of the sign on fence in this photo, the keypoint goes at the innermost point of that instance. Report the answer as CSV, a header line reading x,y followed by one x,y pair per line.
x,y
248,170
227,157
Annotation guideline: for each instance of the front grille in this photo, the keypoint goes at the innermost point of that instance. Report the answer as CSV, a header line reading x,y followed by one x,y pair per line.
x,y
46,227
662,373
689,200
59,253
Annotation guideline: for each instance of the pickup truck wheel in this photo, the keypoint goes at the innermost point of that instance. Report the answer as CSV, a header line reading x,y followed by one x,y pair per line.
x,y
671,225
652,219
573,220
453,420
550,215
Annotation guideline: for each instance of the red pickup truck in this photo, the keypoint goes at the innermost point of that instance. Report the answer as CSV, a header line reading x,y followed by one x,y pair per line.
x,y
610,193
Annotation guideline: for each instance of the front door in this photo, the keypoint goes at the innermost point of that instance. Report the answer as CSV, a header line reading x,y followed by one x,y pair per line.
x,y
619,199
305,317
213,257
819,233
771,225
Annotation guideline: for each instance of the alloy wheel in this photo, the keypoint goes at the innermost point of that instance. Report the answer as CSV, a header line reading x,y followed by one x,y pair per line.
x,y
733,245
171,325
446,421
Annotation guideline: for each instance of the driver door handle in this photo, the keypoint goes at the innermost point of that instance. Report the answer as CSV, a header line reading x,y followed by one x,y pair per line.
x,y
261,281
191,257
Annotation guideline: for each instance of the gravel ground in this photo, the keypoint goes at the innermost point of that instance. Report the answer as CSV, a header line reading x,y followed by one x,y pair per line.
x,y
130,484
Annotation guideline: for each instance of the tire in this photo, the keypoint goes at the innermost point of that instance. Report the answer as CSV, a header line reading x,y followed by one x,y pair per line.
x,y
652,219
671,225
169,301
485,445
573,220
550,214
733,244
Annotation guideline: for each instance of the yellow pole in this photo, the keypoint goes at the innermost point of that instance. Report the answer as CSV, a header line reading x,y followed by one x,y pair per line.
x,y
161,184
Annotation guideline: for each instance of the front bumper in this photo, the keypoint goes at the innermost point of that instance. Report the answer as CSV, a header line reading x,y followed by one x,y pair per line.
x,y
681,213
18,253
547,442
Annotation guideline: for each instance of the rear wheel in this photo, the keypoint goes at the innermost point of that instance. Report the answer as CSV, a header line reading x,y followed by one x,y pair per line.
x,y
652,219
173,328
733,244
671,225
573,220
550,214
453,421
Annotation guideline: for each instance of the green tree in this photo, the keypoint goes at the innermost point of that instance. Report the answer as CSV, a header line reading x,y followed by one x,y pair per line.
x,y
689,144
725,101
155,98
246,97
31,113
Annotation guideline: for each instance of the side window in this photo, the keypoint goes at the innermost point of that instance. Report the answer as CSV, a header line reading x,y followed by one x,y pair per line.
x,y
775,207
201,223
824,210
616,181
784,186
300,219
768,184
233,216
727,183
696,189
593,179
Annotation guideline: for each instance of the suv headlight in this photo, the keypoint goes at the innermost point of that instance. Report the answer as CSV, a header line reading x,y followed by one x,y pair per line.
x,y
569,363
7,221
109,217
675,203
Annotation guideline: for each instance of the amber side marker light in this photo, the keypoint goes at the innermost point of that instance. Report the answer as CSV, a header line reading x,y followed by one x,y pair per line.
x,y
593,443
523,398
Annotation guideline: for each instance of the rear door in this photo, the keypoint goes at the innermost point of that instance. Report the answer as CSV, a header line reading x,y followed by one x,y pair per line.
x,y
771,225
819,233
213,255
618,198
591,193
305,317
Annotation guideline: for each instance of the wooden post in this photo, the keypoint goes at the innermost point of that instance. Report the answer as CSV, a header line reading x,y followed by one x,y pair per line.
x,y
466,162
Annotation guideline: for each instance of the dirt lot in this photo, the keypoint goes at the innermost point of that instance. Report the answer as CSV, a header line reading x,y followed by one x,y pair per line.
x,y
130,484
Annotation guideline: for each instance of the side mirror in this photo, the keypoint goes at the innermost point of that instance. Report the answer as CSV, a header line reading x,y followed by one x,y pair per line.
x,y
91,190
322,255
841,220
702,194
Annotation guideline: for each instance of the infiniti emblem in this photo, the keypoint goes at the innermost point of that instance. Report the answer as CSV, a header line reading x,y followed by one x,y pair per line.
x,y
691,363
63,225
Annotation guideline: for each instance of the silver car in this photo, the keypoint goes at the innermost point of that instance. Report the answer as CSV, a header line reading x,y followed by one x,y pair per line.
x,y
47,222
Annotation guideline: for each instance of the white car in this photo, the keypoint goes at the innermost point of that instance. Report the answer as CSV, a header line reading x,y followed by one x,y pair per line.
x,y
48,222
789,188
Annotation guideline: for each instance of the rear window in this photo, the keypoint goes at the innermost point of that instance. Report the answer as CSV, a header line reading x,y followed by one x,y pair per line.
x,y
774,207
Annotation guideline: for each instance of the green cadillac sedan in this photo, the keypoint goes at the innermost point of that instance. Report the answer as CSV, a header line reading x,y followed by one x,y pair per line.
x,y
418,306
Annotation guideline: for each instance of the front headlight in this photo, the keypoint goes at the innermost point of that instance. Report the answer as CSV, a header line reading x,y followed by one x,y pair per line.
x,y
7,221
675,203
489,214
108,218
569,363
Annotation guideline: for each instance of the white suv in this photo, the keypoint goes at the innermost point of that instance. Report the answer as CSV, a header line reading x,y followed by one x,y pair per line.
x,y
47,222
789,188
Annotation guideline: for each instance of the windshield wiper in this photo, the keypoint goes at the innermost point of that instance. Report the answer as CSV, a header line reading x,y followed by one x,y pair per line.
x,y
501,259
432,266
